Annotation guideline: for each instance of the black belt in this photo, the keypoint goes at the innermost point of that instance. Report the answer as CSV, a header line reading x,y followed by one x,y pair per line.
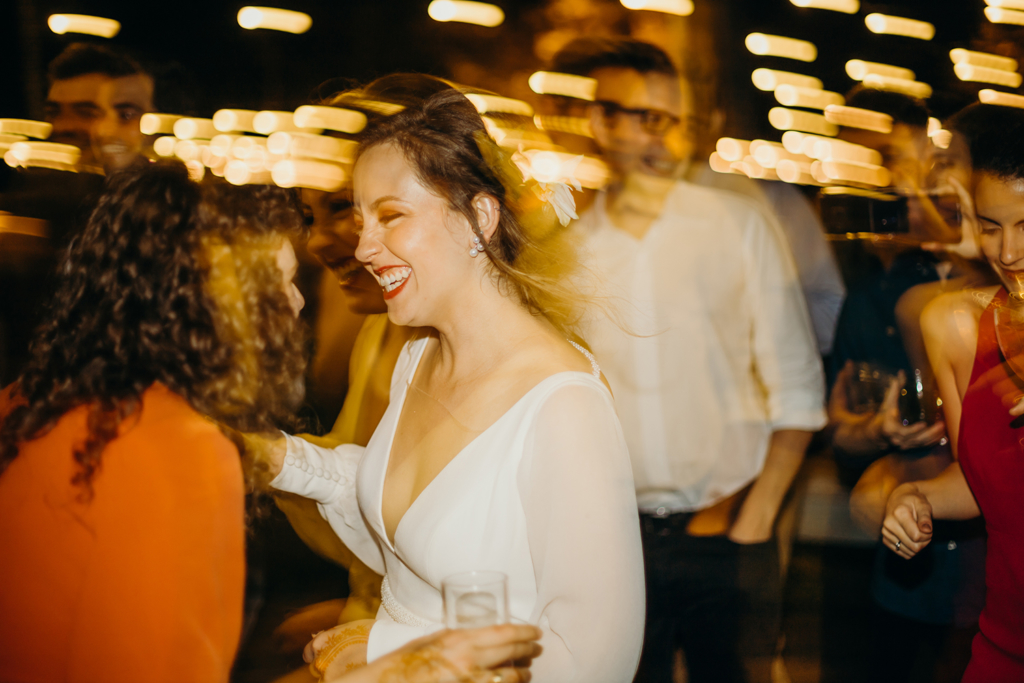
x,y
663,524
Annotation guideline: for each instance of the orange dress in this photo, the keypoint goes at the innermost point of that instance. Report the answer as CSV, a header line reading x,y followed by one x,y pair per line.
x,y
144,582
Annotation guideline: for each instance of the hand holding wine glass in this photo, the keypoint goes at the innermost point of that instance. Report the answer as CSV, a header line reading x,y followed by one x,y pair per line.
x,y
1009,323
479,655
475,599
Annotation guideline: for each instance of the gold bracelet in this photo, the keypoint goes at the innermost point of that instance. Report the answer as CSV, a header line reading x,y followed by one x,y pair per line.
x,y
336,644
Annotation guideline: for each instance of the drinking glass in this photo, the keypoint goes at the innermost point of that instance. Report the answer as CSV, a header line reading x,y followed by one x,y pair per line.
x,y
475,599
867,387
1009,319
918,402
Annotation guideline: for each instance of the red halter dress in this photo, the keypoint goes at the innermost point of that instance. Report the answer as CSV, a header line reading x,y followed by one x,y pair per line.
x,y
992,457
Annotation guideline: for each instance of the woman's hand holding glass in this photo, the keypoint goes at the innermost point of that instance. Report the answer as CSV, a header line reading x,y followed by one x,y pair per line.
x,y
482,655
878,430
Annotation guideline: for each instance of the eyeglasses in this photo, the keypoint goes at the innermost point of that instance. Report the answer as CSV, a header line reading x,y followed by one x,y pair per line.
x,y
653,121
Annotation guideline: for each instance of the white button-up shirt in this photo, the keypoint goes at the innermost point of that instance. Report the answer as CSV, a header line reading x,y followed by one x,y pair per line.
x,y
816,265
718,350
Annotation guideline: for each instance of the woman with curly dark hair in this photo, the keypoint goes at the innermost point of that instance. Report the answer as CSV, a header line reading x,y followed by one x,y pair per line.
x,y
121,507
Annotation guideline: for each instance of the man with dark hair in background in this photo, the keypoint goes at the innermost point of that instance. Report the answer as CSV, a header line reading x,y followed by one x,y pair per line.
x,y
95,101
716,378
816,267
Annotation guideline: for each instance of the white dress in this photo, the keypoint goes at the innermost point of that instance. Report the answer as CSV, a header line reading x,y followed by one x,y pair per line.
x,y
545,495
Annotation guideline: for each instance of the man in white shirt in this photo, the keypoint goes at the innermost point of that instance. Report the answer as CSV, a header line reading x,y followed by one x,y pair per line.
x,y
816,267
714,367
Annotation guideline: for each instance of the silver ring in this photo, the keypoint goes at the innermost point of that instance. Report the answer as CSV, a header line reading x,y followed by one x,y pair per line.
x,y
899,543
498,678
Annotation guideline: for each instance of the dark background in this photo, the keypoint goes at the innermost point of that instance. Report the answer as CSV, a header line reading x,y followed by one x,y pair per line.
x,y
227,66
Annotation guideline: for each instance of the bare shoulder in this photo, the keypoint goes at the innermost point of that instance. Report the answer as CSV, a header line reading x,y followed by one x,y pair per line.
x,y
950,320
948,309
915,299
546,355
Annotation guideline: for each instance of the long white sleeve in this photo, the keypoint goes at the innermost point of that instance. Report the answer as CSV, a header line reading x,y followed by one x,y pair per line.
x,y
328,476
583,530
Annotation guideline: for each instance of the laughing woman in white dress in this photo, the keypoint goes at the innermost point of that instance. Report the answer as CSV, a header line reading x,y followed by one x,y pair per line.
x,y
500,449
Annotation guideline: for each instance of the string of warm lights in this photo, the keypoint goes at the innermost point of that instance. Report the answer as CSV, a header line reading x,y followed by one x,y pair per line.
x,y
845,6
85,24
234,120
858,70
809,153
274,19
187,128
770,79
292,148
329,118
565,85
853,117
480,13
26,128
899,26
806,98
1003,99
158,124
681,8
984,59
763,44
1003,15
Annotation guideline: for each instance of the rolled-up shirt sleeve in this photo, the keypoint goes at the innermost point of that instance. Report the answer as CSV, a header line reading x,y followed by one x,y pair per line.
x,y
786,355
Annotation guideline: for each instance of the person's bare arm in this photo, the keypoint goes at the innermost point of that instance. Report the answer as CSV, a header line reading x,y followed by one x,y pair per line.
x,y
949,327
912,507
756,519
908,319
869,497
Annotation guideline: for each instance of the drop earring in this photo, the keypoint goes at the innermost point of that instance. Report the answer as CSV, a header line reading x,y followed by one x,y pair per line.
x,y
477,247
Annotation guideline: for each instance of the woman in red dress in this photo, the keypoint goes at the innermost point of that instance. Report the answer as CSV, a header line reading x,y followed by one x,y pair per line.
x,y
981,396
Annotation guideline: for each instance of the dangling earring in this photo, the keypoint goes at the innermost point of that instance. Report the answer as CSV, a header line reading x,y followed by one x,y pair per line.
x,y
477,247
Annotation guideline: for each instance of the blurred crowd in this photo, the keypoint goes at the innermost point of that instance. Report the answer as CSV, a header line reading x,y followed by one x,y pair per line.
x,y
847,294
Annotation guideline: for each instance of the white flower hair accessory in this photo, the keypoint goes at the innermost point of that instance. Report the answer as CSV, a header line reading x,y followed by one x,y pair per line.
x,y
553,174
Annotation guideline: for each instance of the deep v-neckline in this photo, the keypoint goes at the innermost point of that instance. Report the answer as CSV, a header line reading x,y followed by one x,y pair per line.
x,y
391,443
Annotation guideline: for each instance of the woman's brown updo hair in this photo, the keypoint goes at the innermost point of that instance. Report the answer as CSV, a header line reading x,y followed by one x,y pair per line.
x,y
534,259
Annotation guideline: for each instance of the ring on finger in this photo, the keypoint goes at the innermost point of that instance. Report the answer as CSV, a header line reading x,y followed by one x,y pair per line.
x,y
899,543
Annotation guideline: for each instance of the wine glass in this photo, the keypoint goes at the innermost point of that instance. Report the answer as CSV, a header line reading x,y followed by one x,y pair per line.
x,y
867,387
475,599
1009,320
